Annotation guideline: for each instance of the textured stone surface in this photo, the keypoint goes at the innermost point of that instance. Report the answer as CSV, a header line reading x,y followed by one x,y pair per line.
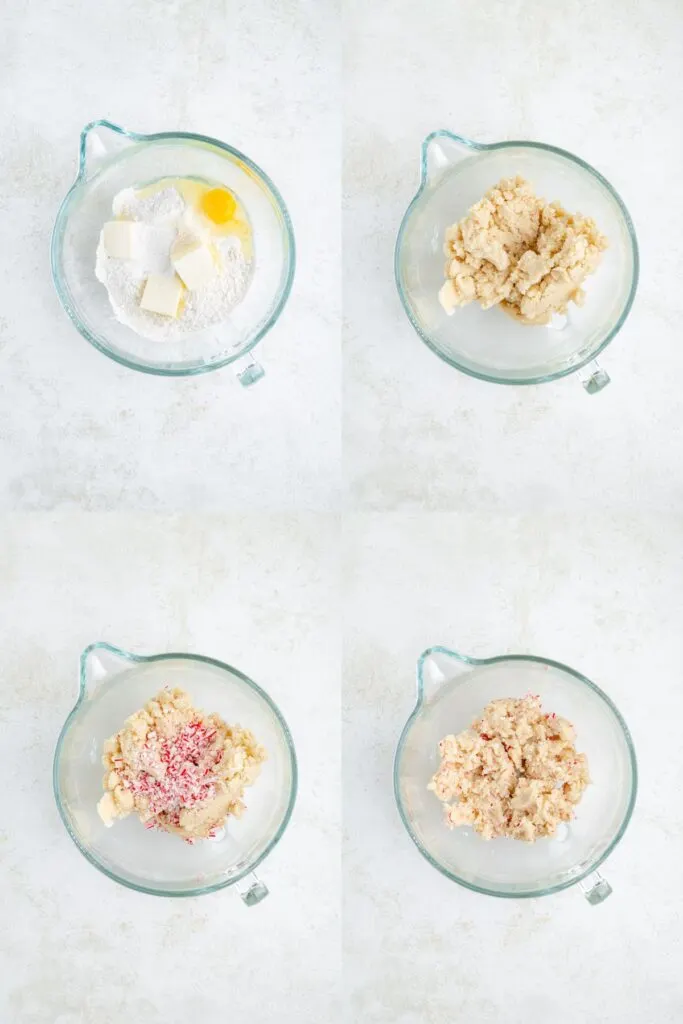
x,y
260,594
191,514
602,596
76,429
600,80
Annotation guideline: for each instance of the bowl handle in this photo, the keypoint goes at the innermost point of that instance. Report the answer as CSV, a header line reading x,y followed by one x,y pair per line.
x,y
595,888
594,378
251,889
249,372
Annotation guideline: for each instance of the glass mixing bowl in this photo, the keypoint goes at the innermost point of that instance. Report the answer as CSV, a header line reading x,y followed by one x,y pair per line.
x,y
112,159
489,344
113,685
451,691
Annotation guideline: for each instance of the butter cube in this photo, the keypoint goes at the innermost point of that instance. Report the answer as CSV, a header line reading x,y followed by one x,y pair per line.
x,y
106,808
162,295
448,297
123,239
194,264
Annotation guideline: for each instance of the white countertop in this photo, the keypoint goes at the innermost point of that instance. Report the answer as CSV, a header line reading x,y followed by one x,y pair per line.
x,y
601,80
83,436
546,535
191,514
260,594
76,429
604,597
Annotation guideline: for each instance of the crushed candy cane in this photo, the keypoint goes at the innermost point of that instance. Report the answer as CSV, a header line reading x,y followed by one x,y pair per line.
x,y
180,770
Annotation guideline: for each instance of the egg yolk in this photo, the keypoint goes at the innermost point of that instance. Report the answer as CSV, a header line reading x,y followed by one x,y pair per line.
x,y
218,205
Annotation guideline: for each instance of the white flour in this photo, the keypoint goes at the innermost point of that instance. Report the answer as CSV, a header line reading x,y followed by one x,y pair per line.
x,y
167,214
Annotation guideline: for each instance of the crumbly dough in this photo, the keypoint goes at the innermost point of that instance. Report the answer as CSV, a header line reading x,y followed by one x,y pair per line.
x,y
180,770
516,250
515,772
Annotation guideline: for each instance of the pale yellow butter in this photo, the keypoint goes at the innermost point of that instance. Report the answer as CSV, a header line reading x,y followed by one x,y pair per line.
x,y
123,239
194,264
162,295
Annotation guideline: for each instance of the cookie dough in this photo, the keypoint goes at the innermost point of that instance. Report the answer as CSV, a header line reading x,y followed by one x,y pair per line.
x,y
517,251
515,772
178,769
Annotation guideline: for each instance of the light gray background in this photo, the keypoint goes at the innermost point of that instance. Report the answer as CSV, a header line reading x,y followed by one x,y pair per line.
x,y
603,596
76,429
600,79
557,548
261,594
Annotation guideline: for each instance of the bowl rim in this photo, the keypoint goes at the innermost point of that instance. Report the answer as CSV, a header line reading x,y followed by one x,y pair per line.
x,y
137,659
478,662
62,218
484,147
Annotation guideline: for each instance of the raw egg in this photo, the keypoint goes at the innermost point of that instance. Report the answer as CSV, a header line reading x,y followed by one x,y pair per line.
x,y
218,205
